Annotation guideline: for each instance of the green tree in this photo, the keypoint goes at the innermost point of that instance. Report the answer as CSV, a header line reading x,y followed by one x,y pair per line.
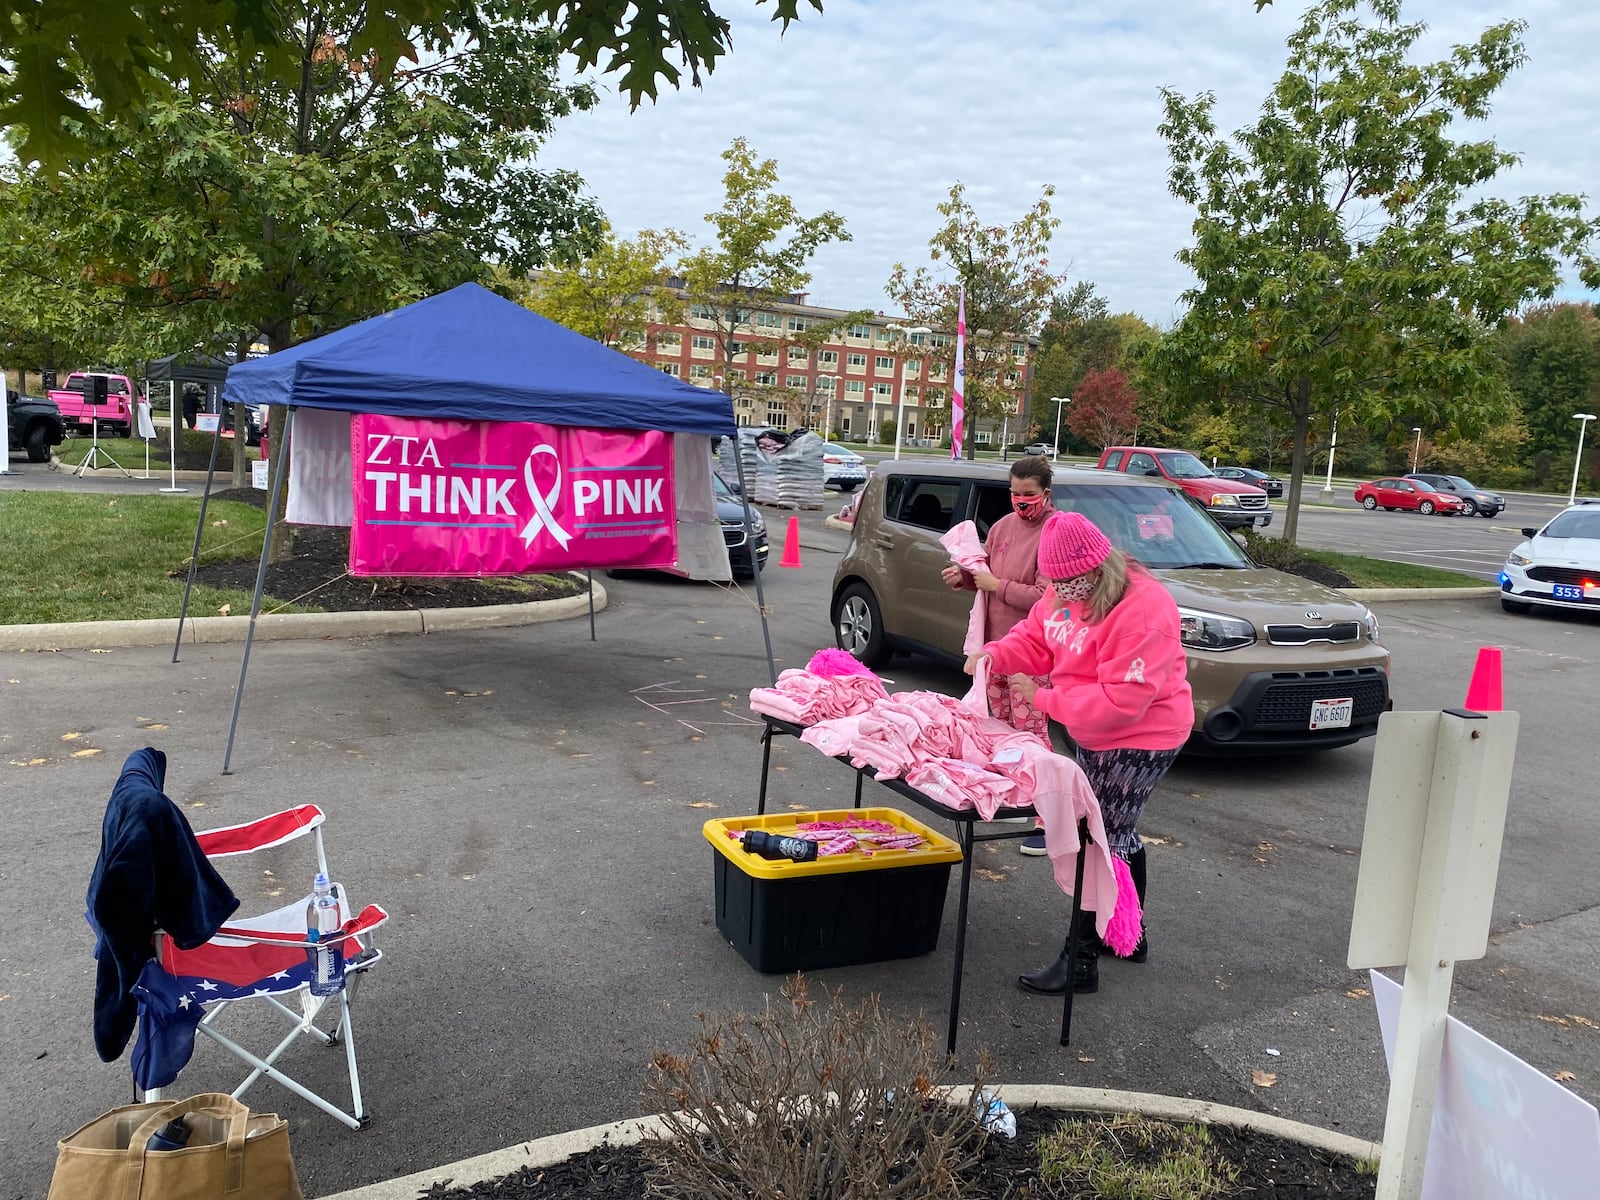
x,y
760,258
1552,356
1004,272
615,293
76,65
1345,251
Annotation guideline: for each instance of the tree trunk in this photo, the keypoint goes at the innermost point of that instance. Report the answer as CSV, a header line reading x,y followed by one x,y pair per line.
x,y
282,535
1300,416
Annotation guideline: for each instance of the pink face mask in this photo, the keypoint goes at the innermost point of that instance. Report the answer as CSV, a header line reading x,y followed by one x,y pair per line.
x,y
1029,507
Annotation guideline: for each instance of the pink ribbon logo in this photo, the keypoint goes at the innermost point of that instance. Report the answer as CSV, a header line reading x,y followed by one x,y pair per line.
x,y
543,517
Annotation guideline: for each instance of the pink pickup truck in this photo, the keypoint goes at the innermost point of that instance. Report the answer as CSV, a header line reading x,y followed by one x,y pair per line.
x,y
115,415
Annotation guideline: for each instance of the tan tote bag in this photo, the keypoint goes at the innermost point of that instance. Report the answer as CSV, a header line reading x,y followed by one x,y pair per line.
x,y
232,1154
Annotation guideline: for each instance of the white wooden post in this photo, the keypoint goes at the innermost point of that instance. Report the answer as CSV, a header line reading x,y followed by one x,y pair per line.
x,y
172,467
5,420
1430,856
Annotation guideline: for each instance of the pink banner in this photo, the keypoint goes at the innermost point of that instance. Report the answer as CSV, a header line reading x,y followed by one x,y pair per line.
x,y
501,498
958,393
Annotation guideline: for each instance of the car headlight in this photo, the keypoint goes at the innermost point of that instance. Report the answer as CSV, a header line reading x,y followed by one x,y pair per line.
x,y
1516,560
1213,631
1370,620
1225,500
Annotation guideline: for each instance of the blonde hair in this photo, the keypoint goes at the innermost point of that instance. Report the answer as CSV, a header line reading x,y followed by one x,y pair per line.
x,y
1110,585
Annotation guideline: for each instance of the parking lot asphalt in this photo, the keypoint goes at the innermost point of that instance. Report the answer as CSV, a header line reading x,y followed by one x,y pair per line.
x,y
527,803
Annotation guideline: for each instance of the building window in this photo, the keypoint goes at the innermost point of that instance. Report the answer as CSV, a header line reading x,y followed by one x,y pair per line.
x,y
1013,378
913,367
1019,351
744,402
799,354
670,369
856,362
798,382
766,320
767,352
886,390
669,340
919,339
854,387
860,331
935,398
700,341
844,423
911,430
767,378
884,362
699,371
798,324
885,336
828,358
938,370
983,437
736,375
825,383
912,392
940,339
702,312
777,414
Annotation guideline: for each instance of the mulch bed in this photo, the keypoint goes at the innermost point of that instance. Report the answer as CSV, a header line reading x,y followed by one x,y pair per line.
x,y
1268,1167
316,576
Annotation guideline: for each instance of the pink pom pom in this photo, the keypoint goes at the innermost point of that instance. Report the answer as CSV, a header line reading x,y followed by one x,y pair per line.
x,y
1127,919
833,661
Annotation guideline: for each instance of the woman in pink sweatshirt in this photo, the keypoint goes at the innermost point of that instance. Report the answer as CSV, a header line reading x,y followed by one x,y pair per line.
x,y
1106,635
1013,583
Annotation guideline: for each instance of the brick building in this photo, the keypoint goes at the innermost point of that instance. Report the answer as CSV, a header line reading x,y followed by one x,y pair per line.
x,y
800,365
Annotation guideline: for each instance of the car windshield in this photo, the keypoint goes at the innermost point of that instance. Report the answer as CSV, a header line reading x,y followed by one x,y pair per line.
x,y
1575,523
1457,481
720,487
1183,465
1160,526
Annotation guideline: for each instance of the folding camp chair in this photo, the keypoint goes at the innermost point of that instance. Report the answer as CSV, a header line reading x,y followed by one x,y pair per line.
x,y
264,957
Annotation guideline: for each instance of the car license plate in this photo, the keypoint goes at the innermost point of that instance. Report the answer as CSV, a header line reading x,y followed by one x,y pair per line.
x,y
1332,714
1566,591
1264,521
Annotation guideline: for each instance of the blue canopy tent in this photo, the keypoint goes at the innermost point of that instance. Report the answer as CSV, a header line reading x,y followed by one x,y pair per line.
x,y
468,354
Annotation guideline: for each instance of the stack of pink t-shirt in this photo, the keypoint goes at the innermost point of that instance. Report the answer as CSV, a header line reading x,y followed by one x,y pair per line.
x,y
806,698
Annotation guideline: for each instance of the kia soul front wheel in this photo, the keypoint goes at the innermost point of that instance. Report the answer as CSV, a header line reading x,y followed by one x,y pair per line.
x,y
858,626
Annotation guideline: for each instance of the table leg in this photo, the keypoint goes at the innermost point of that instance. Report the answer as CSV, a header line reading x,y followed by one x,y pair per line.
x,y
859,778
964,835
1072,936
766,763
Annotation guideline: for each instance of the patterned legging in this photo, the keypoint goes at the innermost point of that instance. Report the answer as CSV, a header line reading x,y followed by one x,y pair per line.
x,y
1006,705
1123,780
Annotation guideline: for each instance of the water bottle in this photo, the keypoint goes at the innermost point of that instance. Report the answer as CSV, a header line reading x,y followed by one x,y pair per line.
x,y
772,845
322,921
174,1135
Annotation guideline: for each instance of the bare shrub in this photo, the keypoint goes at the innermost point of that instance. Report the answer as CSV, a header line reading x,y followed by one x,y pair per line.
x,y
810,1099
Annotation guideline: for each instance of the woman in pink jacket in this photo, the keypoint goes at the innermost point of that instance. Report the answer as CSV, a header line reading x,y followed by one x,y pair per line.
x,y
1013,583
1106,635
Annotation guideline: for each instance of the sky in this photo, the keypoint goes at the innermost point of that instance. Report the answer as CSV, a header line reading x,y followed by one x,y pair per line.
x,y
875,107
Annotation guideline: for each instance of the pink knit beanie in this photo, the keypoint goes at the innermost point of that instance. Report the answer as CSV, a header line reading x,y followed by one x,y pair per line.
x,y
1071,545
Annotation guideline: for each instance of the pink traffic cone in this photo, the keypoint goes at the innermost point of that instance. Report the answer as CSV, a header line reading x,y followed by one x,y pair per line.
x,y
1483,693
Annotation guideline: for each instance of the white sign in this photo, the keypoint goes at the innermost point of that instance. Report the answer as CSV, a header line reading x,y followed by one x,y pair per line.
x,y
1500,1128
258,474
208,422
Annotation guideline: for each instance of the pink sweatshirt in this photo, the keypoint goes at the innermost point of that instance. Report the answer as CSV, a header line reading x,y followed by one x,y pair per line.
x,y
1013,549
1120,683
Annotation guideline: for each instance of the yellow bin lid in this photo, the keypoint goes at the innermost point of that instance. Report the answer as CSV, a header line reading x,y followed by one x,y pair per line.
x,y
724,833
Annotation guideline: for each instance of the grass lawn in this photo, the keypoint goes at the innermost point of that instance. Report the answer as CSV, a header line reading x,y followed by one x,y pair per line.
x,y
1378,572
194,448
76,557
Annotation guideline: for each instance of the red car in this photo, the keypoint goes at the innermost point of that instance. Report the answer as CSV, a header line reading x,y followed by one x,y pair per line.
x,y
1390,494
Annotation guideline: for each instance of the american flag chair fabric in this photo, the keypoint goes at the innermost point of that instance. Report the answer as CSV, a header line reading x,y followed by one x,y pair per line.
x,y
264,960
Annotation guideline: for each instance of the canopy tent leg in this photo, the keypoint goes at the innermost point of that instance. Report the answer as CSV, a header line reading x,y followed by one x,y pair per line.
x,y
199,528
755,565
172,466
590,573
280,452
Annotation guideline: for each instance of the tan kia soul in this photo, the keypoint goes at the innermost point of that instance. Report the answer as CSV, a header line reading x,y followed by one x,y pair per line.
x,y
1277,663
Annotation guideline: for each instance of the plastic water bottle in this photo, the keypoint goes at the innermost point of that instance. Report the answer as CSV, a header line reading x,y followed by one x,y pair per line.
x,y
174,1135
322,921
996,1117
774,846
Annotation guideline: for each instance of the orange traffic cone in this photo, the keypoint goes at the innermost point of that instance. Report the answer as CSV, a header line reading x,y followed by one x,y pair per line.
x,y
791,544
1483,693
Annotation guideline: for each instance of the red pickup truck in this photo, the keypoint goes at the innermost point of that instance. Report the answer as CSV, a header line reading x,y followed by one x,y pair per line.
x,y
115,415
1233,505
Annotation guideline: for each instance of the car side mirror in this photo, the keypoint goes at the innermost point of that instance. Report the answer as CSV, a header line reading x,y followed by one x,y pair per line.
x,y
1529,531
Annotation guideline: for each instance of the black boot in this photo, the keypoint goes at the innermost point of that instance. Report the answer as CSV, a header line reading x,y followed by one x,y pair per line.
x,y
1083,975
1136,869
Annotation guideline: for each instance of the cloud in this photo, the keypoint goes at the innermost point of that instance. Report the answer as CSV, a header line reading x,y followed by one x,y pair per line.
x,y
875,107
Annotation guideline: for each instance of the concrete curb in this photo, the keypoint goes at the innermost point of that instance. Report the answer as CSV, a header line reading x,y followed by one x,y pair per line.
x,y
546,1151
1438,593
275,627
835,523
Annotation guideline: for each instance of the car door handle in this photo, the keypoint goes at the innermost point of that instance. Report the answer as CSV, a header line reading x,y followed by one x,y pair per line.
x,y
883,542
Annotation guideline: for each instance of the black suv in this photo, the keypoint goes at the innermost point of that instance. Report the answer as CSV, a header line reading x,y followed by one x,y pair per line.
x,y
33,423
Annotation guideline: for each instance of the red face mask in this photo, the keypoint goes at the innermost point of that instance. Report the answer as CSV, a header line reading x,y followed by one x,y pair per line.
x,y
1029,507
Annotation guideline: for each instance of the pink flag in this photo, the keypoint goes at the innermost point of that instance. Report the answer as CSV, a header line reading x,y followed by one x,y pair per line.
x,y
958,393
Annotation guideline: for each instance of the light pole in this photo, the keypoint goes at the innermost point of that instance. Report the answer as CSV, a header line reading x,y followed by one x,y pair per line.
x,y
900,406
1416,450
1333,442
1583,420
1058,401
